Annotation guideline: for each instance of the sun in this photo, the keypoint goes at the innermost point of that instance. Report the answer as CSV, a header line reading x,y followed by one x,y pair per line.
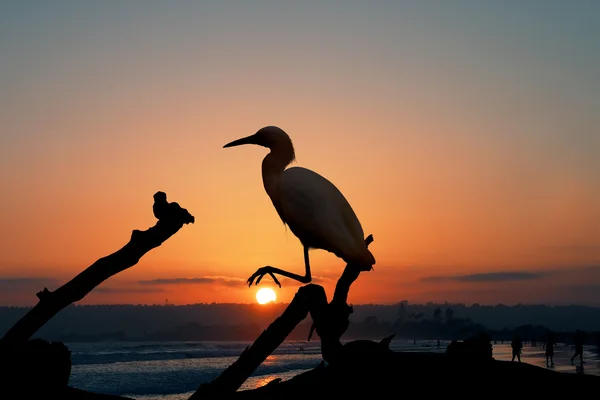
x,y
265,295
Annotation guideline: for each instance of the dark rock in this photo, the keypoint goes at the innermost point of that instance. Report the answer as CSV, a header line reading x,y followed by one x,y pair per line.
x,y
36,367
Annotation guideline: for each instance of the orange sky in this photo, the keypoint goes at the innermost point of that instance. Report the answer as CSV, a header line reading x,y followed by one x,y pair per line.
x,y
461,150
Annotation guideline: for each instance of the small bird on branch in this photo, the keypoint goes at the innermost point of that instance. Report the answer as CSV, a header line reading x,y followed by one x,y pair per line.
x,y
165,211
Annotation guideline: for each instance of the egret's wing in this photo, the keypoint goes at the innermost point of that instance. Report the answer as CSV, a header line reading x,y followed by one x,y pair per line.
x,y
317,212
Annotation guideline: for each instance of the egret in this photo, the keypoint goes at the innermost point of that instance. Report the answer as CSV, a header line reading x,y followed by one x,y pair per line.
x,y
314,209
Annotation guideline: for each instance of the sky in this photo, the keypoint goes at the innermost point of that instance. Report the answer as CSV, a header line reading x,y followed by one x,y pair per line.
x,y
464,134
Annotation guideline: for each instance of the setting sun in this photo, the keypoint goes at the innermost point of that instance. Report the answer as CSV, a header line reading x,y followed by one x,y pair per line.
x,y
265,295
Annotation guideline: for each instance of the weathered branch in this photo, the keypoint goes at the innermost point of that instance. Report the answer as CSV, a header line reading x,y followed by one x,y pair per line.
x,y
336,314
348,277
330,321
171,217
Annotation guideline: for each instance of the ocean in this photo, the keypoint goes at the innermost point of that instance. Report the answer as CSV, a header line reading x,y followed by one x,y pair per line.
x,y
173,370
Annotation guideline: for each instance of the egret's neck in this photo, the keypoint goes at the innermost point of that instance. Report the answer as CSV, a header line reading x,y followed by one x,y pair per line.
x,y
281,155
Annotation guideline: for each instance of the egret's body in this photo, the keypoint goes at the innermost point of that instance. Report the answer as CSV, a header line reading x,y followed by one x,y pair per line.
x,y
315,210
320,216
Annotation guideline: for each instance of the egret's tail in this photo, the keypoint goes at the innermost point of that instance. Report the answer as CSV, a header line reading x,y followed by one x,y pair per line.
x,y
365,260
369,261
359,255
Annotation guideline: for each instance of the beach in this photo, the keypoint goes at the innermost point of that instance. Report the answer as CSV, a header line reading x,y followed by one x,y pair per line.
x,y
173,370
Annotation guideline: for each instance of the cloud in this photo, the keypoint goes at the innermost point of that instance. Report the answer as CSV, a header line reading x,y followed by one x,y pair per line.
x,y
487,277
577,248
203,280
314,279
18,284
590,288
591,268
24,285
221,280
109,290
321,279
26,281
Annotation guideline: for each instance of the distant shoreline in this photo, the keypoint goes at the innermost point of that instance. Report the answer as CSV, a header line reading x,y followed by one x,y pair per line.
x,y
238,322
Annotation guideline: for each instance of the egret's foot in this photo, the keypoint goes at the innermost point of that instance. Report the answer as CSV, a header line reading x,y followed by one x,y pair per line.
x,y
260,273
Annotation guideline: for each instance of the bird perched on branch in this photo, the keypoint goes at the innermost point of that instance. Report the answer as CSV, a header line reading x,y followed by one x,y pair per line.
x,y
173,212
316,212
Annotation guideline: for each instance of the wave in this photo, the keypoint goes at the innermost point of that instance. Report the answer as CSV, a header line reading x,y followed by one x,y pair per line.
x,y
175,375
165,368
119,352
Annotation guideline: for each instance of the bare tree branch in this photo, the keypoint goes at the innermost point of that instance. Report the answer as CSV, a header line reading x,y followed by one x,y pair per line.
x,y
171,217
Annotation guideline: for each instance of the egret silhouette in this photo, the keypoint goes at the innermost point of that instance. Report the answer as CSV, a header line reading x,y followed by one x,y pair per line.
x,y
315,210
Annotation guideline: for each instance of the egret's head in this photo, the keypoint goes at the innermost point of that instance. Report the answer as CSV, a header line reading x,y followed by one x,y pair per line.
x,y
269,136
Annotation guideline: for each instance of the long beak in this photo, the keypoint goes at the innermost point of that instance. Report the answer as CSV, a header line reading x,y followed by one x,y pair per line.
x,y
246,140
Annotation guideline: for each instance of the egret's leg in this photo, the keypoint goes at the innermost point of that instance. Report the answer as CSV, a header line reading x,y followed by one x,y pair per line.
x,y
307,276
272,271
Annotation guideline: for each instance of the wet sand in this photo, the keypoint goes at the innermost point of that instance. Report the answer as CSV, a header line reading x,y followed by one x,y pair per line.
x,y
562,357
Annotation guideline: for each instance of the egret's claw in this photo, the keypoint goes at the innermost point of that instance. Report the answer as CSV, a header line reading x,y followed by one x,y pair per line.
x,y
260,273
272,276
275,279
259,278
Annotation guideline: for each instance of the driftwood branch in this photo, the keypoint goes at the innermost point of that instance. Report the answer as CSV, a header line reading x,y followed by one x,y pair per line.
x,y
171,217
335,320
329,320
350,274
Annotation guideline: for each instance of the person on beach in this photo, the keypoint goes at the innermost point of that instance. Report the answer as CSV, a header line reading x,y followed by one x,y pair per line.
x,y
579,338
517,346
550,344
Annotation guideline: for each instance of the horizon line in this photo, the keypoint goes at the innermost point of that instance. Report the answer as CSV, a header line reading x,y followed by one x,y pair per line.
x,y
476,304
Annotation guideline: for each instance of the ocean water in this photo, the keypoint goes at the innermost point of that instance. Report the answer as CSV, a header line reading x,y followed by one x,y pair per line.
x,y
173,370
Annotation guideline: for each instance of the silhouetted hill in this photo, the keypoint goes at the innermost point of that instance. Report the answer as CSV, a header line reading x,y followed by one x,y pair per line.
x,y
206,321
